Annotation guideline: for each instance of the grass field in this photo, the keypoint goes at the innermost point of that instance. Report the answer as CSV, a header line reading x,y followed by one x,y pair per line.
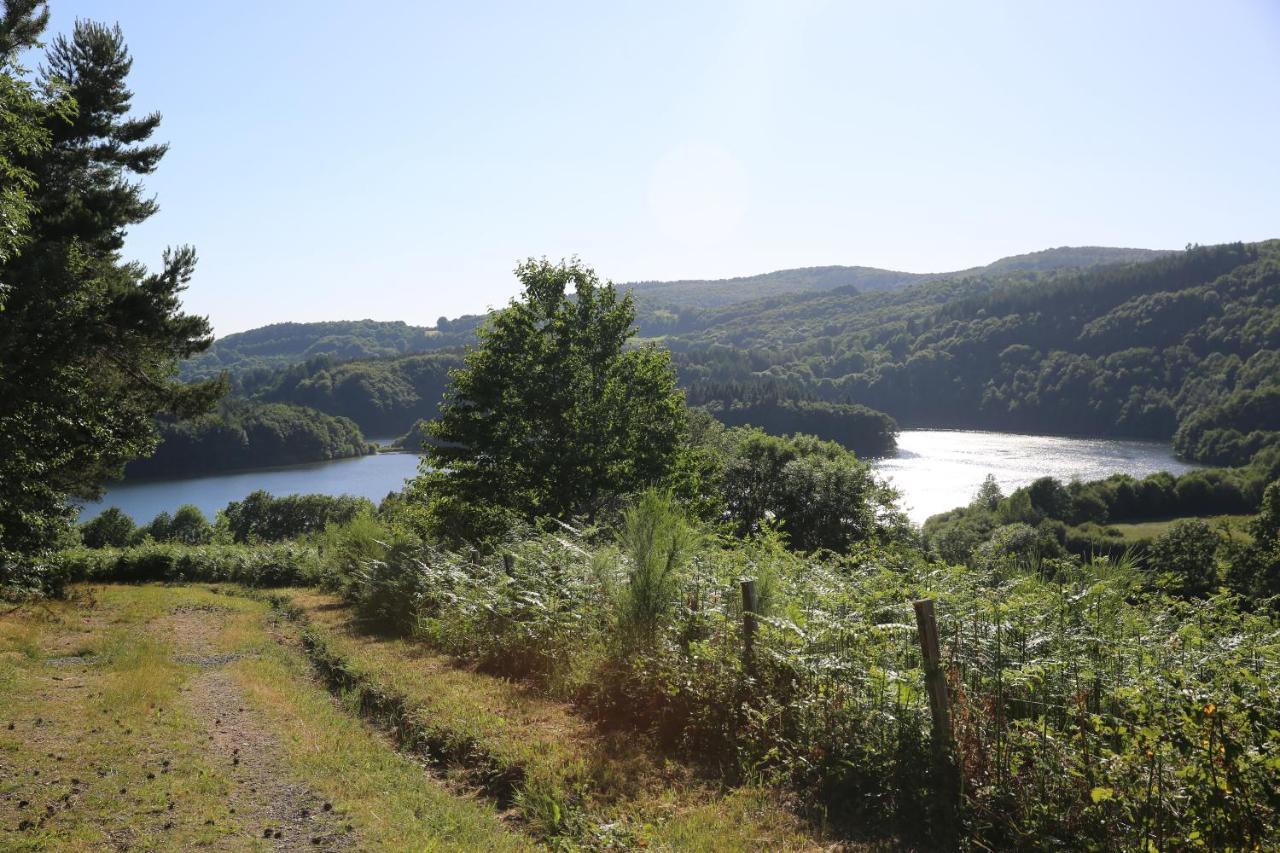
x,y
160,717
1235,525
1142,533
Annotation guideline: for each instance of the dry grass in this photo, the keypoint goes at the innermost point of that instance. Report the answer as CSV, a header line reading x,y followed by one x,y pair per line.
x,y
109,749
586,785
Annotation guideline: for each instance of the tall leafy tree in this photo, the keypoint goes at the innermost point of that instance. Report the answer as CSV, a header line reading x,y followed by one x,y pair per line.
x,y
550,414
89,343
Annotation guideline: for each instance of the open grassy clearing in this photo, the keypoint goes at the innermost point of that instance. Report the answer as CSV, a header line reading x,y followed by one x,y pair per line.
x,y
566,779
1143,533
1235,526
174,717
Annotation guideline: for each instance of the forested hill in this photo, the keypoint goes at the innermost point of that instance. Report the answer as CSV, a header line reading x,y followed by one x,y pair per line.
x,y
1186,344
285,344
701,293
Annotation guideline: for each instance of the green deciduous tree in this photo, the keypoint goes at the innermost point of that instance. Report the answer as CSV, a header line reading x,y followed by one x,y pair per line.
x,y
263,518
550,416
110,528
822,494
1187,551
89,343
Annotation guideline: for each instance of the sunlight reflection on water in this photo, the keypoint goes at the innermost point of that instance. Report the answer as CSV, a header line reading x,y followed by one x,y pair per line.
x,y
938,470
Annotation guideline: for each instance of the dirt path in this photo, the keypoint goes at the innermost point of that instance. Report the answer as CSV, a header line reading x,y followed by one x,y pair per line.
x,y
287,815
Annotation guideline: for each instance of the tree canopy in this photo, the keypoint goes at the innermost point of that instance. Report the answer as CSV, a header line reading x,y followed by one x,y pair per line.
x,y
89,343
550,415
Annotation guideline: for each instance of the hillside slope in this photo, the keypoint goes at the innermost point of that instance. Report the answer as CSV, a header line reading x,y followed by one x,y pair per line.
x,y
284,344
715,293
1131,350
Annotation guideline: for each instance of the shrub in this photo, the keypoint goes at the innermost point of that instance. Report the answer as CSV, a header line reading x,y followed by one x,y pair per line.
x,y
1187,554
110,528
657,539
389,591
269,565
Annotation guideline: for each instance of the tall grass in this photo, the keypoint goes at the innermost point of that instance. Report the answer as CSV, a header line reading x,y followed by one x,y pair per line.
x,y
1087,712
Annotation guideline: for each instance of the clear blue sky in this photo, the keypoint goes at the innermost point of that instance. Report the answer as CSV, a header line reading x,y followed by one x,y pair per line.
x,y
394,160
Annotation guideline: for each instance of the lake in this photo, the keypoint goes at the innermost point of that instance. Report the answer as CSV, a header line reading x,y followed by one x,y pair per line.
x,y
936,470
369,477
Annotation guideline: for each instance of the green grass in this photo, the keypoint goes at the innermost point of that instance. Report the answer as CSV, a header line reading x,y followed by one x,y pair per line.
x,y
1147,531
89,740
104,738
100,698
575,782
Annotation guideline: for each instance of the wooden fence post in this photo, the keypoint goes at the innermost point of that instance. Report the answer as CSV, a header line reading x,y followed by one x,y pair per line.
x,y
949,781
750,604
935,679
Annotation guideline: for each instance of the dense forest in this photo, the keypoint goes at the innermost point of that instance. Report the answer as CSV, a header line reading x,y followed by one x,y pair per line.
x,y
249,435
1137,350
832,360
257,352
383,396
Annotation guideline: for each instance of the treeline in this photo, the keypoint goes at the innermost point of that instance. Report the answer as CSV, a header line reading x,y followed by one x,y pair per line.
x,y
310,412
249,435
268,348
384,397
259,518
1136,350
1183,347
686,299
865,431
1048,519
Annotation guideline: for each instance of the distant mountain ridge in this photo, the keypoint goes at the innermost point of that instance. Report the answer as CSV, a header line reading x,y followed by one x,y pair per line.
x,y
715,293
284,344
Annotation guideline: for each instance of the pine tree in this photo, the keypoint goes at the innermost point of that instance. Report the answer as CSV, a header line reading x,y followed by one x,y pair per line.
x,y
89,343
22,133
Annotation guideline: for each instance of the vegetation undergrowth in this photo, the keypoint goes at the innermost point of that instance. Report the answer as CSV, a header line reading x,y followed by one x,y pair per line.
x,y
1087,707
570,784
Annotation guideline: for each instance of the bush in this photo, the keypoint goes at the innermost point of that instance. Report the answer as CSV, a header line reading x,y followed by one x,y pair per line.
x,y
28,579
390,591
1187,554
657,540
110,528
267,565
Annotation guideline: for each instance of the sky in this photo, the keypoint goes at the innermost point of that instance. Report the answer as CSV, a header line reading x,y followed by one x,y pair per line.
x,y
396,160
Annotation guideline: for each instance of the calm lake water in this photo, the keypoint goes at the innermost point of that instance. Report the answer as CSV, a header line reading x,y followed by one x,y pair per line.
x,y
369,477
936,470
